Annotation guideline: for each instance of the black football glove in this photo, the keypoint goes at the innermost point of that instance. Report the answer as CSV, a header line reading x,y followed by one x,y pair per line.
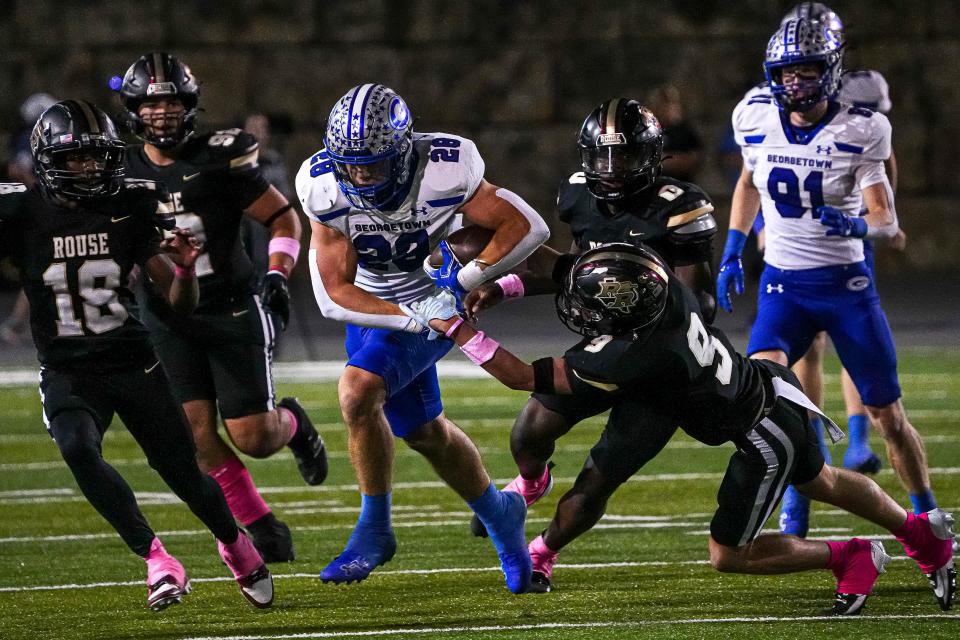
x,y
276,296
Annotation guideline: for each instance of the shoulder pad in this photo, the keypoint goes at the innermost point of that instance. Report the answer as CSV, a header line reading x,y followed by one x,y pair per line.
x,y
231,149
451,167
569,191
866,133
680,202
11,196
749,120
317,187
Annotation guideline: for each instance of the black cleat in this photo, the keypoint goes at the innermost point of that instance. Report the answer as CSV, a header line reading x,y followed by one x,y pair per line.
x,y
944,583
272,539
847,604
540,583
307,445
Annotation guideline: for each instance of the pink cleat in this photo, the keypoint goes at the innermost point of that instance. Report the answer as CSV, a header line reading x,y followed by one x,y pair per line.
x,y
856,564
530,490
928,538
246,564
166,578
543,558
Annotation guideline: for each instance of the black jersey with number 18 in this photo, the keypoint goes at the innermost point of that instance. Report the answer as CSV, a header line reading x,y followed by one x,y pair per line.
x,y
74,267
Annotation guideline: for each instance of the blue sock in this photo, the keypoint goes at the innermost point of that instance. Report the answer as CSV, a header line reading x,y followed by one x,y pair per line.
x,y
858,427
489,505
817,425
923,502
375,512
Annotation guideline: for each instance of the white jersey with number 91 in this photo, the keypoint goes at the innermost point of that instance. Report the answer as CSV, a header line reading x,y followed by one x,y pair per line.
x,y
797,170
392,245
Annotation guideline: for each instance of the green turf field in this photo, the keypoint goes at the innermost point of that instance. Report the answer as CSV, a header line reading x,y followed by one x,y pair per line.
x,y
641,572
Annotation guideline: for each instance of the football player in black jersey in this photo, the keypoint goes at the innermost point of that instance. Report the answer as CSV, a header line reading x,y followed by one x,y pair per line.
x,y
618,196
650,349
220,358
76,236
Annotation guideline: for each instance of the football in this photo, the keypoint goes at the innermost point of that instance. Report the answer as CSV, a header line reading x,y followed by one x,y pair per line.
x,y
466,243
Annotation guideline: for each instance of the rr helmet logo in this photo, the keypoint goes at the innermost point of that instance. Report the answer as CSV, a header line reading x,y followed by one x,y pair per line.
x,y
617,295
775,288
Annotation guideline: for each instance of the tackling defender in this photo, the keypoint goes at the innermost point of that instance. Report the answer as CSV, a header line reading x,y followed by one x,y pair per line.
x,y
220,358
647,345
812,163
380,198
76,236
619,195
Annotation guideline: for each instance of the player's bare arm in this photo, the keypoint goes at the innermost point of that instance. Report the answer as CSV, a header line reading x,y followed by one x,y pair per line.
x,y
699,277
489,210
172,270
336,262
745,204
879,207
537,279
274,211
504,366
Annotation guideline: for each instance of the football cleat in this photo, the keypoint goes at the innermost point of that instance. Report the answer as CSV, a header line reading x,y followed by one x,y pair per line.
x,y
272,538
306,445
863,461
794,513
507,535
930,544
540,583
166,578
862,564
246,565
535,491
364,553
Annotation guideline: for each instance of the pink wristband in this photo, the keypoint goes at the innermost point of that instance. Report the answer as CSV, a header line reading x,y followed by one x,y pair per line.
x,y
285,245
512,285
480,349
183,273
453,327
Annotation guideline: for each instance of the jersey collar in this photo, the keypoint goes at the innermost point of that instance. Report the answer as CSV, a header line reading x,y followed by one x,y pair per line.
x,y
803,135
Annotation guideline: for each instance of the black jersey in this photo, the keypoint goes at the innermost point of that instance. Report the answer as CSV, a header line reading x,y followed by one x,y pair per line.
x,y
672,217
214,178
680,366
74,267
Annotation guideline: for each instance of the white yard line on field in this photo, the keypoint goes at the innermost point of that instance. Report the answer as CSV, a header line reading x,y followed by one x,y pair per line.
x,y
380,572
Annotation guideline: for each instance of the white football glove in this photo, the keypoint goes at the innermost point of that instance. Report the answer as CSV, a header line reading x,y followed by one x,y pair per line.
x,y
440,306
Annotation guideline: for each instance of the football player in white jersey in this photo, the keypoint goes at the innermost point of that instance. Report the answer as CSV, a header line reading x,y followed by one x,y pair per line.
x,y
863,88
380,198
813,163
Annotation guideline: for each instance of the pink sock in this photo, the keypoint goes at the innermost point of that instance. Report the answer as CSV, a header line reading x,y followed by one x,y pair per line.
x,y
838,551
543,556
906,528
242,496
293,422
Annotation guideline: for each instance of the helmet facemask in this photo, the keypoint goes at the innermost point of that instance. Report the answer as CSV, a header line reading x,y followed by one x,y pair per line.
x,y
800,43
149,80
167,129
76,152
617,171
369,143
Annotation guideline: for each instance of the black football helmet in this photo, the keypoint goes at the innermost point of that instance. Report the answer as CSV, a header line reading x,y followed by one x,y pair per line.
x,y
75,132
621,148
613,289
158,75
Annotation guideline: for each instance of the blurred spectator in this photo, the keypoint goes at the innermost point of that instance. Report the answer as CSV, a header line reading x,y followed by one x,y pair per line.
x,y
682,145
255,236
16,327
20,165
